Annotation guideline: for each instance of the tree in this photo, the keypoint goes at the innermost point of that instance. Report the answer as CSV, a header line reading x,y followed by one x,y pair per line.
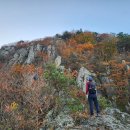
x,y
119,76
123,43
104,51
66,35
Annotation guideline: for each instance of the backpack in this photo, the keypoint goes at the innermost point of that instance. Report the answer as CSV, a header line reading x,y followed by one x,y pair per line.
x,y
92,88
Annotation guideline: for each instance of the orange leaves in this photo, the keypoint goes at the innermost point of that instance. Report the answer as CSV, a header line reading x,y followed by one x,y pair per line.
x,y
76,48
39,70
74,73
88,46
43,55
19,69
85,47
117,65
67,52
72,42
26,69
78,44
118,74
84,38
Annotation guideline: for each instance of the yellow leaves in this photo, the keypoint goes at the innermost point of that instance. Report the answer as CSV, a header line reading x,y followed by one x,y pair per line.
x,y
84,38
89,46
86,46
14,106
67,52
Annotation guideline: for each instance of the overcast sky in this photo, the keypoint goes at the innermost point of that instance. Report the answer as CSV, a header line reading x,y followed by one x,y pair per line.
x,y
32,19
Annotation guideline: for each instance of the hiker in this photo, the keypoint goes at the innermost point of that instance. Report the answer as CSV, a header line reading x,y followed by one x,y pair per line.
x,y
92,97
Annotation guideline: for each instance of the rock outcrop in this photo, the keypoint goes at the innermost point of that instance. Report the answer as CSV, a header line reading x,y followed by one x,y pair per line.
x,y
58,61
27,55
82,76
31,55
112,119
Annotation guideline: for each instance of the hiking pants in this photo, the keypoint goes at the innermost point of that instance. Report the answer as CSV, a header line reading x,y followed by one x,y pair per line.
x,y
92,99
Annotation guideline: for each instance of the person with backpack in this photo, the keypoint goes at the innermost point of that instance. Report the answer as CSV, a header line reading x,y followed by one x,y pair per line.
x,y
92,97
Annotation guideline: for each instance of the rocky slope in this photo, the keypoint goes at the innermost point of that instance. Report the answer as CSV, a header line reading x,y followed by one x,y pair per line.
x,y
111,119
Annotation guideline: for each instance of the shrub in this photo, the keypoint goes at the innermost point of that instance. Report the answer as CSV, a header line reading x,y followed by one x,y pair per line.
x,y
57,79
75,105
103,102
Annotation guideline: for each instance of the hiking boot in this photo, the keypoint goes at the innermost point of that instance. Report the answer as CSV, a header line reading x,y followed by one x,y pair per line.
x,y
98,115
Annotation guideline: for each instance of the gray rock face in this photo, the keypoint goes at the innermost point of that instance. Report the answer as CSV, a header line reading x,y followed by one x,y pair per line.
x,y
82,76
6,50
61,68
19,56
58,61
110,91
30,55
128,107
60,122
51,51
38,47
114,119
26,55
63,120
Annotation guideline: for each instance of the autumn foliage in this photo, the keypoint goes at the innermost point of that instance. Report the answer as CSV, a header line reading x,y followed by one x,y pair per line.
x,y
25,102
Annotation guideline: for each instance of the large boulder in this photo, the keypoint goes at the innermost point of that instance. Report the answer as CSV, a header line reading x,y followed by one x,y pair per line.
x,y
82,76
58,61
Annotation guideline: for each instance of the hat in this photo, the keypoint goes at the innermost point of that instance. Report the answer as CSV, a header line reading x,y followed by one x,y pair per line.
x,y
90,78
